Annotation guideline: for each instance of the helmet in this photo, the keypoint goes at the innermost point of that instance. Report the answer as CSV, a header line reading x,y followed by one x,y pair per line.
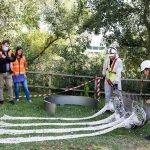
x,y
145,64
112,51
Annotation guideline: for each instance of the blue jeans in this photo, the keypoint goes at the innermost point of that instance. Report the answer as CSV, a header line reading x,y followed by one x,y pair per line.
x,y
25,89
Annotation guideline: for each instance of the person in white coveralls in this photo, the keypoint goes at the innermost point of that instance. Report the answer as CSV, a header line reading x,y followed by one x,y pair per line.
x,y
112,68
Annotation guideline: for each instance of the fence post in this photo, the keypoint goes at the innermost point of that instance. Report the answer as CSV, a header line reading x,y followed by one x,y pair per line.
x,y
50,83
95,88
98,88
141,86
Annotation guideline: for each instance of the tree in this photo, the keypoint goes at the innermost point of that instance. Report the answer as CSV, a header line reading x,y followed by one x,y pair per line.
x,y
64,23
17,15
8,19
130,24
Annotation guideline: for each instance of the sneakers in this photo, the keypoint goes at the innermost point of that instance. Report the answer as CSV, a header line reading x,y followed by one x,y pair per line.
x,y
147,137
11,102
17,100
1,102
29,101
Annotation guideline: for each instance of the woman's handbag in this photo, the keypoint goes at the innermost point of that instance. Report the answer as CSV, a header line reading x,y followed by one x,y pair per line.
x,y
19,78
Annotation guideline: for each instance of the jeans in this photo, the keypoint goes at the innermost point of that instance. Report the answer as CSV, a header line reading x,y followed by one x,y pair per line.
x,y
25,89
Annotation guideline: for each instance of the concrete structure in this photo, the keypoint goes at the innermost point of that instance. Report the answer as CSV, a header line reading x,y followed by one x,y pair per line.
x,y
97,45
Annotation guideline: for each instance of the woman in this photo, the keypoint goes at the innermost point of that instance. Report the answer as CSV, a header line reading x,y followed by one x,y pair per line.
x,y
19,74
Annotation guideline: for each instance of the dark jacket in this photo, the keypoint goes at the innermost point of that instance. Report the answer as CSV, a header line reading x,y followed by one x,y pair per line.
x,y
6,62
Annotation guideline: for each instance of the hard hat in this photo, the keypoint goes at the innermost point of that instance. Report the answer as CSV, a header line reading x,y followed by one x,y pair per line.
x,y
145,64
112,51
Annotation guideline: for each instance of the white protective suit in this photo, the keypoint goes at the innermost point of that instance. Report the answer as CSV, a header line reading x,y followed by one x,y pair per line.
x,y
117,69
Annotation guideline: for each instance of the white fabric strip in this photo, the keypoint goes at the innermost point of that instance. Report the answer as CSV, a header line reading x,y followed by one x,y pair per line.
x,y
6,117
125,123
103,121
8,131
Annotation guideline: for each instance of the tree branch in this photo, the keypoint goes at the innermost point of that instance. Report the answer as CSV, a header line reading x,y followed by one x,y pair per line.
x,y
45,47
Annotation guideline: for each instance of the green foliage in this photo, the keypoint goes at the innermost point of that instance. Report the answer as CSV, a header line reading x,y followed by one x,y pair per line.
x,y
17,15
8,19
30,14
32,43
64,23
60,47
129,23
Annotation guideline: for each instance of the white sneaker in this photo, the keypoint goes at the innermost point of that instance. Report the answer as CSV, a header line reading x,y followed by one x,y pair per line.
x,y
30,101
17,100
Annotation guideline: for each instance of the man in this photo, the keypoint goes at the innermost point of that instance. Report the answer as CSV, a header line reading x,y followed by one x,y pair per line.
x,y
112,69
6,57
145,68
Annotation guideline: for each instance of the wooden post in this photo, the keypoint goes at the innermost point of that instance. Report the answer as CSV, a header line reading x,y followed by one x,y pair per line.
x,y
95,88
141,86
141,90
50,83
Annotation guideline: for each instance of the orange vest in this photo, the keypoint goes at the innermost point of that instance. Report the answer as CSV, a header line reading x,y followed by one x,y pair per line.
x,y
9,53
19,67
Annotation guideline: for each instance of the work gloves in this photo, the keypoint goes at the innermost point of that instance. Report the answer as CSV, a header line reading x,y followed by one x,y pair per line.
x,y
114,85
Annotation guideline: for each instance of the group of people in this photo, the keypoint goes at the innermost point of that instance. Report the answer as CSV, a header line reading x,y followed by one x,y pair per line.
x,y
112,69
12,70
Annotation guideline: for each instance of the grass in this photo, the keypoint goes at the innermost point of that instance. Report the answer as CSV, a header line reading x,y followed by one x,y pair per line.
x,y
120,139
